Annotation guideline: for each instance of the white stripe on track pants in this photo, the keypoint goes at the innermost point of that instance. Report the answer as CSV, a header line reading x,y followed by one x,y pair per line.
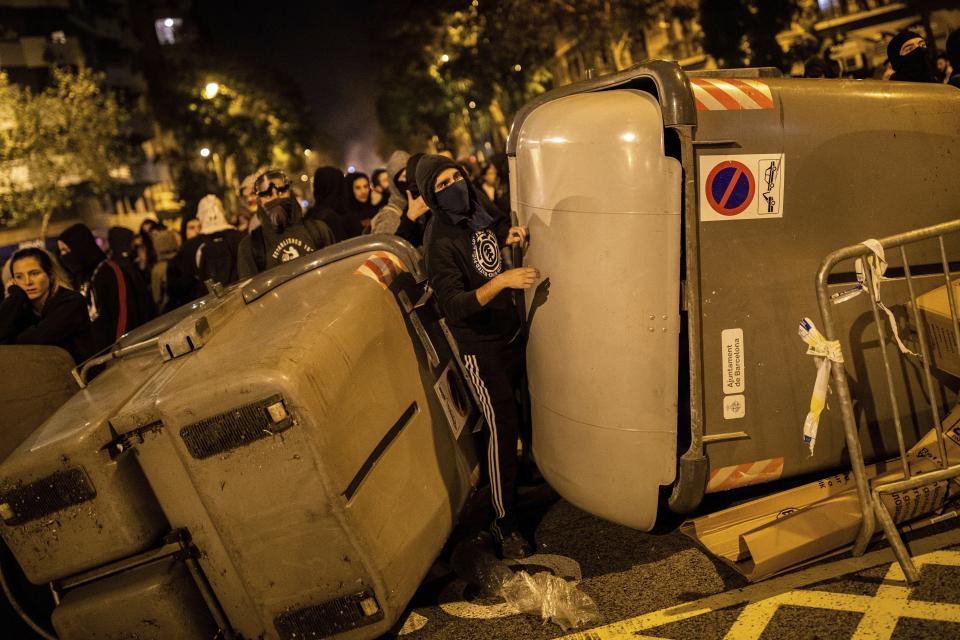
x,y
495,374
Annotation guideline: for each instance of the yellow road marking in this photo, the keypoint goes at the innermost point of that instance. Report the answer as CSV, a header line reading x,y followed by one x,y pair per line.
x,y
890,599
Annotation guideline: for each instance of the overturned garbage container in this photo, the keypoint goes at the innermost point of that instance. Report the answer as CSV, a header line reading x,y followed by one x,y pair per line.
x,y
285,459
680,219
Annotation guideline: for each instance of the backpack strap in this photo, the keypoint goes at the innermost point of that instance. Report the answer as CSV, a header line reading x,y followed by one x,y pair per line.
x,y
259,246
122,294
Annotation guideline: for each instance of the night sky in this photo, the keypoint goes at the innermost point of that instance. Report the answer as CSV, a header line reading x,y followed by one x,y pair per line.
x,y
325,45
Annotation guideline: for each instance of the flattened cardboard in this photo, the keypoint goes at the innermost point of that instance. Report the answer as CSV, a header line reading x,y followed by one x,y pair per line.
x,y
771,534
934,307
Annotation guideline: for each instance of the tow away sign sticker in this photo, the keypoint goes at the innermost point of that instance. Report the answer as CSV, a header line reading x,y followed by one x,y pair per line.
x,y
744,187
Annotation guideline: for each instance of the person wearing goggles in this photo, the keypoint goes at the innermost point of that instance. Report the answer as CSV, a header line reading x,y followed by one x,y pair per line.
x,y
283,234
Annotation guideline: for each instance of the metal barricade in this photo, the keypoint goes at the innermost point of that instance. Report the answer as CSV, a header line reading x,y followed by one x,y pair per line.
x,y
869,493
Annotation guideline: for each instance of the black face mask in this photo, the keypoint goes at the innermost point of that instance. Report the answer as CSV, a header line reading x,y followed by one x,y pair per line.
x,y
455,199
283,212
915,65
404,186
71,263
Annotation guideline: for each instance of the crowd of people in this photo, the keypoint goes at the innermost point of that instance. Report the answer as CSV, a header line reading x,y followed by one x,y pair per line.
x,y
908,59
89,295
132,276
457,213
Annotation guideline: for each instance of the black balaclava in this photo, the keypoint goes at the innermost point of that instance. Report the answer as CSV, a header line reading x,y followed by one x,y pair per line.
x,y
326,187
913,67
458,202
281,213
412,175
84,254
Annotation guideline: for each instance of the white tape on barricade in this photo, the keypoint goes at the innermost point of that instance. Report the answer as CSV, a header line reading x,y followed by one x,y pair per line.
x,y
877,264
824,351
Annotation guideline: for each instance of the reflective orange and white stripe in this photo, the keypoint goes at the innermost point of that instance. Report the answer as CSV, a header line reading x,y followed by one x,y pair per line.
x,y
743,475
730,94
381,267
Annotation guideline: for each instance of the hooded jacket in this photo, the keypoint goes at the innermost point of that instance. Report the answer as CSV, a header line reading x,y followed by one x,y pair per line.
x,y
461,260
327,183
117,299
392,218
120,240
211,215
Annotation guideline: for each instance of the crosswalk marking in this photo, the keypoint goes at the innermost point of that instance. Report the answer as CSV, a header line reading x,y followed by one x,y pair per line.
x,y
881,611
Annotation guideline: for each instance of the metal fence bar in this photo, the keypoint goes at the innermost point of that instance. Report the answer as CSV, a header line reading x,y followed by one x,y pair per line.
x,y
882,335
839,374
925,356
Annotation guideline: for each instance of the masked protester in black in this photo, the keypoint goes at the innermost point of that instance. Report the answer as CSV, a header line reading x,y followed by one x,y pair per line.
x,y
474,292
117,299
283,234
327,185
910,58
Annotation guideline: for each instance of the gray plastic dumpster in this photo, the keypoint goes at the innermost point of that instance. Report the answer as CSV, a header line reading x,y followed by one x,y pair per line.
x,y
65,505
307,453
681,221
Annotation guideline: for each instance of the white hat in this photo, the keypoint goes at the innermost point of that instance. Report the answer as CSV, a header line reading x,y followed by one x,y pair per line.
x,y
211,216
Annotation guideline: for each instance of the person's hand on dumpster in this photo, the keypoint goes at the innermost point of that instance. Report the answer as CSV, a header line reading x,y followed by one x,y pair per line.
x,y
517,235
519,278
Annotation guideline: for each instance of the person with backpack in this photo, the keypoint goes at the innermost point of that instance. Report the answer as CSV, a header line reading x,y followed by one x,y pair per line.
x,y
117,300
216,255
283,234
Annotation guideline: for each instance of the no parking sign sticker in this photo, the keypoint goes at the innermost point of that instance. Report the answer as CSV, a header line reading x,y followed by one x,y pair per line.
x,y
744,187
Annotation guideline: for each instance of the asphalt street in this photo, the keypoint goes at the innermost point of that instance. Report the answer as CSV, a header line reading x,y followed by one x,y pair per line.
x,y
663,585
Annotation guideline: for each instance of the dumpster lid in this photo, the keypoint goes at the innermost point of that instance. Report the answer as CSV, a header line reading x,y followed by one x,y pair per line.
x,y
673,92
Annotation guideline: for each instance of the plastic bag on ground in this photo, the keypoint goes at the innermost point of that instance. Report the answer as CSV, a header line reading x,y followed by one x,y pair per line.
x,y
552,598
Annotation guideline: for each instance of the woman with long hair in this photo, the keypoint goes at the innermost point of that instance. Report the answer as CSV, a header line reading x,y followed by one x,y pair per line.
x,y
39,309
357,210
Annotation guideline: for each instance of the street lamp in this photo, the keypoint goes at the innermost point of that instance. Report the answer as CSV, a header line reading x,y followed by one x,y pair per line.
x,y
168,23
205,152
307,152
444,58
211,90
304,177
472,104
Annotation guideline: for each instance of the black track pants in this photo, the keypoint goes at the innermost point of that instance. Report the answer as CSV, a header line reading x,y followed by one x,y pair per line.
x,y
496,373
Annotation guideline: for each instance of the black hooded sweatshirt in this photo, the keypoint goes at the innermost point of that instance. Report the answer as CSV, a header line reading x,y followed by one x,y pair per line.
x,y
117,300
460,261
275,246
327,185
